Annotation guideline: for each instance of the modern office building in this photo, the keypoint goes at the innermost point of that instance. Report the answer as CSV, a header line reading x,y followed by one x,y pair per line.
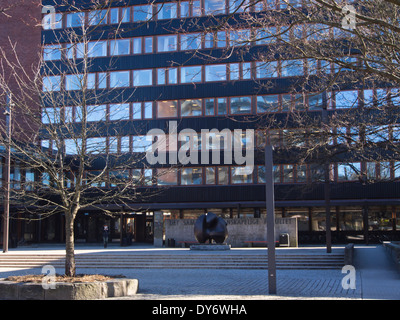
x,y
164,71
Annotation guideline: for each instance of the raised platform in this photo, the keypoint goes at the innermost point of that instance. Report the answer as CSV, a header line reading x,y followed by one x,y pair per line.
x,y
210,247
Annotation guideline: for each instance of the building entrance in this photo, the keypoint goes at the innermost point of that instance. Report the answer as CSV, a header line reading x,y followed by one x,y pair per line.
x,y
137,227
126,228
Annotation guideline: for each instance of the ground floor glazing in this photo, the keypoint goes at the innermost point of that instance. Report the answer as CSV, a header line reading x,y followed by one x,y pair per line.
x,y
362,224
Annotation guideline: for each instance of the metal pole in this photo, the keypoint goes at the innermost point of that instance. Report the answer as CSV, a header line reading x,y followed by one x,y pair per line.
x,y
328,210
269,189
6,215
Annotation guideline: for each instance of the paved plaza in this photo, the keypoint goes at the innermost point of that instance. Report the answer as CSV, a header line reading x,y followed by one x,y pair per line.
x,y
376,278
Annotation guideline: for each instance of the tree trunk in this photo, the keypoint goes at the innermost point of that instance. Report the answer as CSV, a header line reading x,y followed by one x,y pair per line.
x,y
70,269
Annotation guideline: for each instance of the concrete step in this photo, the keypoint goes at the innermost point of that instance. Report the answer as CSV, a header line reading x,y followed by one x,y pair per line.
x,y
189,261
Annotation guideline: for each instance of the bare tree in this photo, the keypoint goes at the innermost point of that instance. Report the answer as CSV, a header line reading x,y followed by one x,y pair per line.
x,y
67,141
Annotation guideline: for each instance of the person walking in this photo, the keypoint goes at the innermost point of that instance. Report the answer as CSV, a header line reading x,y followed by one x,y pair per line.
x,y
105,235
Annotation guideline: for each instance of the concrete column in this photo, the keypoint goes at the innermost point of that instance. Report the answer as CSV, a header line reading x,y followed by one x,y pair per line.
x,y
158,229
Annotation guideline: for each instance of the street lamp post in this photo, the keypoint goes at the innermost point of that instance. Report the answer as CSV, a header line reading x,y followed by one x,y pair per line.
x,y
6,215
269,194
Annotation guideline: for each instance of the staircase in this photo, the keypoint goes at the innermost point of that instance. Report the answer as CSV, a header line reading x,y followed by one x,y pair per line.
x,y
176,261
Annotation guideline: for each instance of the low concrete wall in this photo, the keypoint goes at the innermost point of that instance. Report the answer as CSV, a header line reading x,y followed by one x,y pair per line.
x,y
239,230
349,254
393,249
10,290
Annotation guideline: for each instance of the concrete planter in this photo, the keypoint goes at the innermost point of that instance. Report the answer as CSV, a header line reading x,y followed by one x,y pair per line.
x,y
10,290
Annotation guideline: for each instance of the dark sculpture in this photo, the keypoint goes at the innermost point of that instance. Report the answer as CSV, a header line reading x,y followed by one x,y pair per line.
x,y
210,227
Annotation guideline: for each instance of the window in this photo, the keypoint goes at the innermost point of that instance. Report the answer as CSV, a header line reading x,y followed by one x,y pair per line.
x,y
376,134
29,179
113,144
97,49
235,6
137,45
114,15
349,172
102,80
222,107
368,98
15,177
301,175
119,47
52,52
51,115
142,13
190,74
91,81
96,145
167,177
316,101
97,17
119,79
287,173
125,144
119,178
246,70
167,76
265,36
190,41
234,73
346,99
298,101
166,11
141,143
94,113
184,9
68,114
371,170
223,175
210,175
76,19
209,106
125,14
167,43
148,44
48,22
137,110
242,175
191,108
385,170
80,50
267,69
119,111
277,173
261,174
191,176
268,103
214,7
74,82
167,109
240,105
216,72
143,77
52,83
291,68
148,110
72,146
239,37
317,173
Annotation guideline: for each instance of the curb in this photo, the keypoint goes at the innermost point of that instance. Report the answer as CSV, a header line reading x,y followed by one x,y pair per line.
x,y
11,290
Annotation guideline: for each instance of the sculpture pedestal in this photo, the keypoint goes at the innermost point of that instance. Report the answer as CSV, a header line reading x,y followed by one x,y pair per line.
x,y
210,247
